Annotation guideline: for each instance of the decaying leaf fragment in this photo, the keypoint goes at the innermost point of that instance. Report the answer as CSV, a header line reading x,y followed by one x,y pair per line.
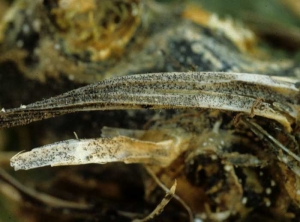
x,y
252,94
101,150
194,140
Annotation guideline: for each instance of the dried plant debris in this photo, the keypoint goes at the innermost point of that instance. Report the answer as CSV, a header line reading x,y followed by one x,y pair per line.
x,y
247,93
39,38
211,151
160,207
102,150
100,28
228,137
222,91
63,33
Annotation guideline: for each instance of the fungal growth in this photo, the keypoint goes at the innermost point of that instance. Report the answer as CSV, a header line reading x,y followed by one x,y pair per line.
x,y
246,93
207,130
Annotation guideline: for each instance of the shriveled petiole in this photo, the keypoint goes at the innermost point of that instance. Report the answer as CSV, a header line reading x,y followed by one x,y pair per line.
x,y
238,92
